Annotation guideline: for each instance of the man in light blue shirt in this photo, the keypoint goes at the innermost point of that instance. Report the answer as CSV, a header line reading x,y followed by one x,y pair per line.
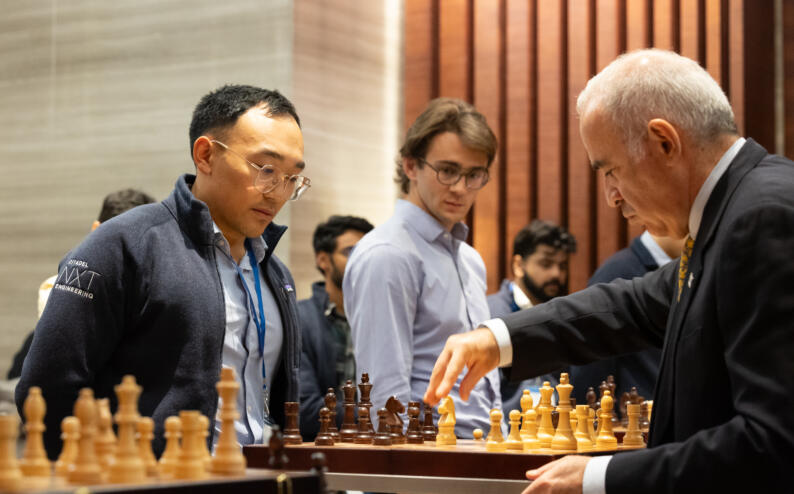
x,y
413,281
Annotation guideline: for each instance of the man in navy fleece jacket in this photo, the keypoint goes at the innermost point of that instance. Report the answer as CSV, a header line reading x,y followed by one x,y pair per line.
x,y
171,292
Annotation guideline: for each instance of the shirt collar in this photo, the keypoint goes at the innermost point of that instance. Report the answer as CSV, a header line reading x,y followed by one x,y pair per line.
x,y
425,225
520,298
659,255
696,213
258,244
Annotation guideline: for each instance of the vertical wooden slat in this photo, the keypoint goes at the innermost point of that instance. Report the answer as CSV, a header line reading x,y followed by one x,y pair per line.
x,y
420,47
519,130
609,43
488,237
581,179
454,49
639,27
550,121
665,25
715,38
736,56
788,72
692,33
759,72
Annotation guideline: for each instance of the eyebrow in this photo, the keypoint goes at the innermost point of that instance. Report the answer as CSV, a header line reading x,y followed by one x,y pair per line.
x,y
597,165
301,165
449,162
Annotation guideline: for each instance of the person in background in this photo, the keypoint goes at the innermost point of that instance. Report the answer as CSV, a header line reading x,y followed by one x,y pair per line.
x,y
327,359
540,272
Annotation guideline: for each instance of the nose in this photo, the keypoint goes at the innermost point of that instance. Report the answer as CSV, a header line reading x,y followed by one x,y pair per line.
x,y
612,194
460,186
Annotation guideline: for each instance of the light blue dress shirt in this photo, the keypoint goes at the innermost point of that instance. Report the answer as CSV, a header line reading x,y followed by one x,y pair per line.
x,y
408,286
241,340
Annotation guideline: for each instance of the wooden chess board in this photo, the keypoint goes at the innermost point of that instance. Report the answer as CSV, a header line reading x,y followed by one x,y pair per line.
x,y
254,481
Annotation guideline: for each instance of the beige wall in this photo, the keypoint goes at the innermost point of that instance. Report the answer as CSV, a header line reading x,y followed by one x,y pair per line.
x,y
97,96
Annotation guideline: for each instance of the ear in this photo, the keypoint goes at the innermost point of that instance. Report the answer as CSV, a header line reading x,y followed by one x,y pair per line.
x,y
323,261
663,139
202,152
410,167
518,271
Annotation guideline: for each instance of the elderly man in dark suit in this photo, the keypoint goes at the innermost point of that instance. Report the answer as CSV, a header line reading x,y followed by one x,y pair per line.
x,y
663,134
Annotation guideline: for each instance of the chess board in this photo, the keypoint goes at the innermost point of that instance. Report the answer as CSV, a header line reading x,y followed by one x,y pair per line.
x,y
254,481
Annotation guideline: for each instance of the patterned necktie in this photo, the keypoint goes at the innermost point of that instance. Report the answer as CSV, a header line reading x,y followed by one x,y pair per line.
x,y
683,264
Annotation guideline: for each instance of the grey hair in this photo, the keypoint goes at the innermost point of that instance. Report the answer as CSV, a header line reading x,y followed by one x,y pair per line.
x,y
646,84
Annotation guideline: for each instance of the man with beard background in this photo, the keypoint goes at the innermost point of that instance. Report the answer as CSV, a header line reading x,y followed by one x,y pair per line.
x,y
327,359
540,271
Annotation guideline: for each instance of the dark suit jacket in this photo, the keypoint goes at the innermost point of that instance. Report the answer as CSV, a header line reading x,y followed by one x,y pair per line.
x,y
722,416
638,369
318,362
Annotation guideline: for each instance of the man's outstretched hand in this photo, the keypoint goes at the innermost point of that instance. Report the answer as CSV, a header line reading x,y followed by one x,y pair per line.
x,y
477,350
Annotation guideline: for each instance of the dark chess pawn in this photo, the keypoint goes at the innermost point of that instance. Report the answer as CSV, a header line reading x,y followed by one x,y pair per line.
x,y
330,403
349,428
428,429
323,437
383,438
319,469
278,460
365,434
414,434
590,398
625,399
292,434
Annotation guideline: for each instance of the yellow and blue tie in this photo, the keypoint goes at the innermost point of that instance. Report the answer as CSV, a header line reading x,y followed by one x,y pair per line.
x,y
683,265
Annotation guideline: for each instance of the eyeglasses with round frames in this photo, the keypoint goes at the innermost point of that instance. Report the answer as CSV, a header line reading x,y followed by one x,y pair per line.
x,y
450,174
268,177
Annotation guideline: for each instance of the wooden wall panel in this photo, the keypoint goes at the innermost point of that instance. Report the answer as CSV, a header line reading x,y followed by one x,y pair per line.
x,y
454,49
610,36
520,118
581,180
488,228
551,126
533,57
421,76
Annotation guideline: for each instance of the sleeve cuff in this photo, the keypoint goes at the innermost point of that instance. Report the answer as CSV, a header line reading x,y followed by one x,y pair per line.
x,y
499,330
594,480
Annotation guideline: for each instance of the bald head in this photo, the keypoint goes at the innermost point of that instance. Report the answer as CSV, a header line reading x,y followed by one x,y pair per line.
x,y
646,84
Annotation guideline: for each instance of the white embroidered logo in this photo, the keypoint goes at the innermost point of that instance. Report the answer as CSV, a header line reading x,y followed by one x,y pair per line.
x,y
75,277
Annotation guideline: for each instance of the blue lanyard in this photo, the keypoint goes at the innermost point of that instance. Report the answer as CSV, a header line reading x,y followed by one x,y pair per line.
x,y
260,320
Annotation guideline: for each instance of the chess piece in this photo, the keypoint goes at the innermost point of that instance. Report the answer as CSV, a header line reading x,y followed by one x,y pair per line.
x,y
204,425
528,416
364,389
170,457
292,433
514,440
34,462
446,423
563,438
428,429
529,429
86,468
349,428
278,460
127,465
414,432
582,435
70,434
191,458
591,414
591,398
601,388
546,427
105,441
365,434
383,437
495,441
228,460
606,439
330,403
10,474
633,437
625,398
477,434
145,436
323,437
395,408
